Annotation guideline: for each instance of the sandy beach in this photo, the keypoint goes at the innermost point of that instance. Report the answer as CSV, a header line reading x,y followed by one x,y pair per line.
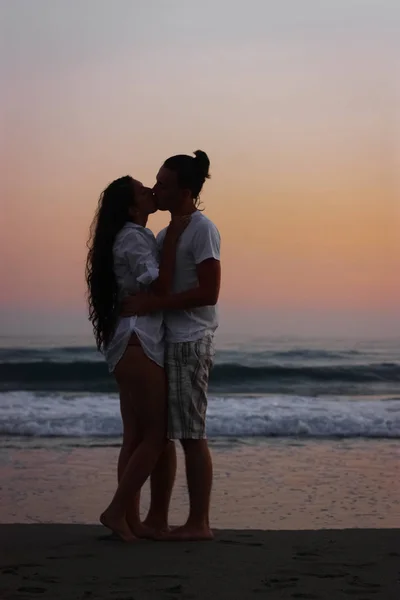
x,y
292,520
71,562
275,484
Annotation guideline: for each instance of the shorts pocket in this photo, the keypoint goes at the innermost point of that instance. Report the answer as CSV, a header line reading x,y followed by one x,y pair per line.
x,y
204,349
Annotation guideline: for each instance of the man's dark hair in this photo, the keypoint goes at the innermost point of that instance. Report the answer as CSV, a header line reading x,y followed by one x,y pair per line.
x,y
191,171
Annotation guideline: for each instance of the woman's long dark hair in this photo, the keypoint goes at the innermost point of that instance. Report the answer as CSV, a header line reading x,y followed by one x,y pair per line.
x,y
111,215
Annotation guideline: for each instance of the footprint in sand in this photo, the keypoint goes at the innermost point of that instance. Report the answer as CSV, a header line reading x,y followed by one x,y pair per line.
x,y
175,589
20,566
9,571
280,583
337,575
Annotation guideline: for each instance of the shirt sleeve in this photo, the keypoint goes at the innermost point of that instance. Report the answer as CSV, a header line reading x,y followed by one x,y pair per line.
x,y
206,243
160,240
141,257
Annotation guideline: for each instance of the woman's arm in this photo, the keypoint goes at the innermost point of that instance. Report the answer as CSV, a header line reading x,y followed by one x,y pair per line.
x,y
162,286
204,294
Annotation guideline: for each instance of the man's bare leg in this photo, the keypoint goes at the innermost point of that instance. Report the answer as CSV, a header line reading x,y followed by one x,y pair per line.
x,y
161,484
199,474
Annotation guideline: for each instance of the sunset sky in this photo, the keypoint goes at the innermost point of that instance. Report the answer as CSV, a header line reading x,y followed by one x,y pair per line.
x,y
296,104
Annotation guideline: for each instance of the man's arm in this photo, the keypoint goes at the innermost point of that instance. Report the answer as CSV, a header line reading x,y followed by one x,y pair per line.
x,y
204,294
206,254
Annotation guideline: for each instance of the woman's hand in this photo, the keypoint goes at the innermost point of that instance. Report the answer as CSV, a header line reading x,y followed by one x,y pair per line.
x,y
177,226
141,304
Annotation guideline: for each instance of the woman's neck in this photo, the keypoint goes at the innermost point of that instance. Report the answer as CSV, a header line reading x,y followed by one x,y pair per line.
x,y
140,220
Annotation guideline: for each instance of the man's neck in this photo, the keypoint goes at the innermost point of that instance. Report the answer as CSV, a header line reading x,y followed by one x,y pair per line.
x,y
187,208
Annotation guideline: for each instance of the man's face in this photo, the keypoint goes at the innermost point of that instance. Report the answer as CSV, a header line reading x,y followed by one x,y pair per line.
x,y
166,190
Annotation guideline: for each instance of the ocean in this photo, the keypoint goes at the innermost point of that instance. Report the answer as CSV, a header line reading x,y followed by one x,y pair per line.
x,y
59,389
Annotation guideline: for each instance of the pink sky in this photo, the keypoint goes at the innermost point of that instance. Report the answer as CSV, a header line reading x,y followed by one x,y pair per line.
x,y
301,123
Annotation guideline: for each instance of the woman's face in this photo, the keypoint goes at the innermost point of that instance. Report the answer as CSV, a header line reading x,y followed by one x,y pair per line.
x,y
145,203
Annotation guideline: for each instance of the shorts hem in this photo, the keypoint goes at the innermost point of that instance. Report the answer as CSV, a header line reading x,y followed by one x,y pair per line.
x,y
189,436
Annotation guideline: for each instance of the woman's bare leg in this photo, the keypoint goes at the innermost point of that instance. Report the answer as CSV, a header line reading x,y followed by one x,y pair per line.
x,y
130,440
143,386
161,484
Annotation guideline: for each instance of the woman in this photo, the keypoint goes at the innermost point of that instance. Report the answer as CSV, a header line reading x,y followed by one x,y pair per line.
x,y
123,260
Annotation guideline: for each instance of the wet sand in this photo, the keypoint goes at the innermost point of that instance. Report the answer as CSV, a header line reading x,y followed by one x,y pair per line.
x,y
72,562
278,484
312,520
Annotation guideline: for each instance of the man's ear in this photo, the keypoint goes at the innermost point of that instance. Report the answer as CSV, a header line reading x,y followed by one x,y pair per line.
x,y
186,194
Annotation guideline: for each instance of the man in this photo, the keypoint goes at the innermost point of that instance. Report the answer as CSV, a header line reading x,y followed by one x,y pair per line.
x,y
190,322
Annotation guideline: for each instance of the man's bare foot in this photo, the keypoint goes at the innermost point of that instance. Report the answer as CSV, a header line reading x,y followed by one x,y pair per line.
x,y
158,527
141,530
189,533
156,524
118,526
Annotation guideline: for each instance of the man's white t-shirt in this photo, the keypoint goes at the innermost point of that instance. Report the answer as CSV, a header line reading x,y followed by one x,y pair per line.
x,y
199,241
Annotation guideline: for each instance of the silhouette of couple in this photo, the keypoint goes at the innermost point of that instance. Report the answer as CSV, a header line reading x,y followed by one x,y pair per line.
x,y
152,304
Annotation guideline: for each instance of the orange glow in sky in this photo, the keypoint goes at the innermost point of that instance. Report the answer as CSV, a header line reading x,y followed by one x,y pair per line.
x,y
300,120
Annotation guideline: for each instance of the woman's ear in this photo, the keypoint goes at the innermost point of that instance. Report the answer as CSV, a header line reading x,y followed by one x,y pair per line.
x,y
132,212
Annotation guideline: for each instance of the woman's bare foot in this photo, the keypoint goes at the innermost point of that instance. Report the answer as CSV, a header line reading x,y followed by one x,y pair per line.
x,y
141,530
189,533
158,527
118,526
